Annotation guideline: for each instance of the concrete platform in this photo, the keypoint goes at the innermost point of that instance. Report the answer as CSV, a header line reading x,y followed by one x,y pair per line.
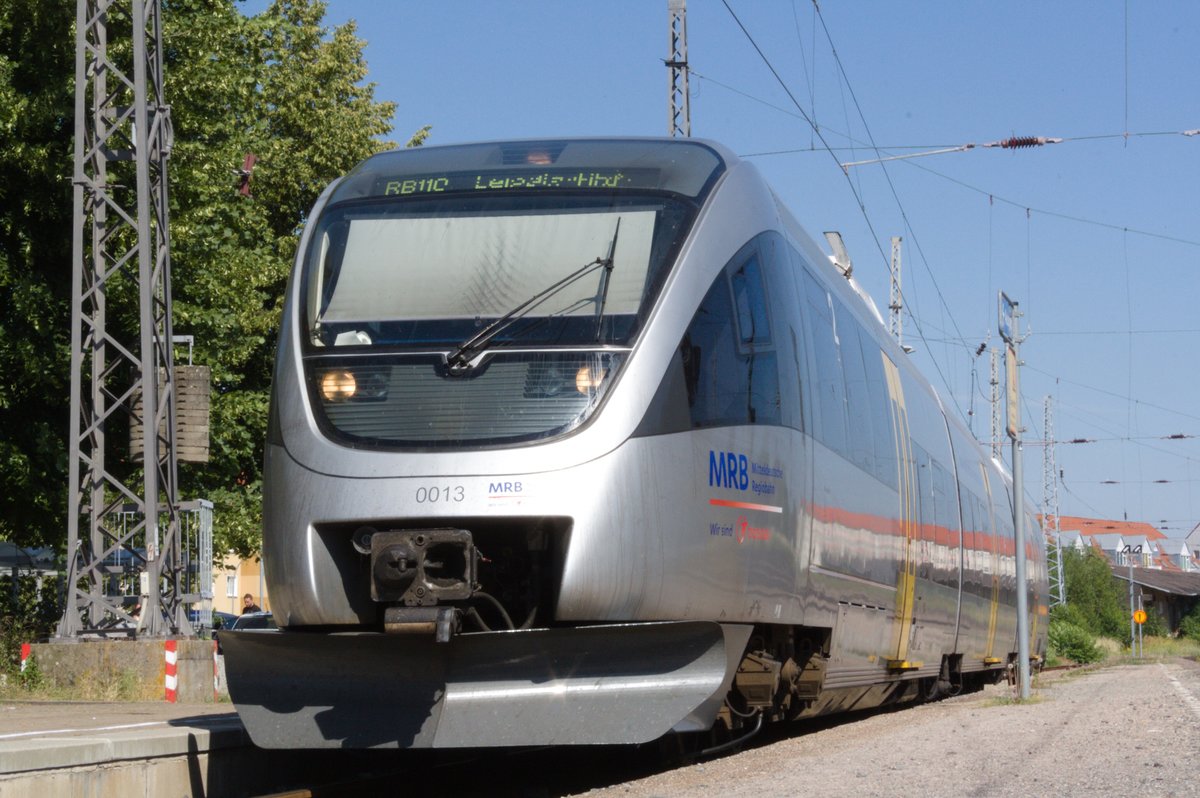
x,y
50,749
72,749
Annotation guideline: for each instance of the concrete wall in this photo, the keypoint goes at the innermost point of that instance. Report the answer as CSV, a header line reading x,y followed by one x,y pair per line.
x,y
127,669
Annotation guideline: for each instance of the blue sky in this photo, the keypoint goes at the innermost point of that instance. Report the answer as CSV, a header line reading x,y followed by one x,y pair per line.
x,y
1096,237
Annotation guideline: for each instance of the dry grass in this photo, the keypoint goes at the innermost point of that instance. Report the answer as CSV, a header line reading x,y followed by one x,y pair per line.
x,y
122,686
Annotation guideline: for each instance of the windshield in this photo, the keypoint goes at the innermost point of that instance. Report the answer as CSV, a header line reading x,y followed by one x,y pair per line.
x,y
493,302
411,274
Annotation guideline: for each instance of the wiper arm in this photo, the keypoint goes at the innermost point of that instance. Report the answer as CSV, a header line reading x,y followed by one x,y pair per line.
x,y
460,358
605,279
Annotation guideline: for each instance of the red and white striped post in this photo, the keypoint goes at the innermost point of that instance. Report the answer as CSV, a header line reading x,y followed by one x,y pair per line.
x,y
172,680
26,650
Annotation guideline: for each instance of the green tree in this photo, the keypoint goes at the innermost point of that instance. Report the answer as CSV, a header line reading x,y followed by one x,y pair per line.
x,y
1095,600
281,85
36,124
288,90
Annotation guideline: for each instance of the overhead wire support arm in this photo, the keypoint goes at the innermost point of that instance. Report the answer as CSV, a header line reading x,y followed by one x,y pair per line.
x,y
1011,143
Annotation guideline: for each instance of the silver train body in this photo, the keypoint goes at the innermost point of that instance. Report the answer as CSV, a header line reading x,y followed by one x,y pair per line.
x,y
586,441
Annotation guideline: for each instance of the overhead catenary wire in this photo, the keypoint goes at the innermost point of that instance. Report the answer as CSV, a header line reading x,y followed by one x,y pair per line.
x,y
954,148
853,189
1114,394
1011,143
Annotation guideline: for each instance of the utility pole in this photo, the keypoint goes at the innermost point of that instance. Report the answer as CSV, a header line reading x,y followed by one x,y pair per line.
x,y
1009,330
120,249
1050,526
679,115
895,296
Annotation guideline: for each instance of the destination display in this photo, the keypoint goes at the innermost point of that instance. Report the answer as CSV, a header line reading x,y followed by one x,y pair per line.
x,y
518,180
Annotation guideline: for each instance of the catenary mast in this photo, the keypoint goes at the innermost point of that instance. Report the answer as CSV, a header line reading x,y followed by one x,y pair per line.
x,y
121,252
679,115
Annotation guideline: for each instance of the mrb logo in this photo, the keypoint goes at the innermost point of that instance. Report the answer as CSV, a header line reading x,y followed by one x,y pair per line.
x,y
728,470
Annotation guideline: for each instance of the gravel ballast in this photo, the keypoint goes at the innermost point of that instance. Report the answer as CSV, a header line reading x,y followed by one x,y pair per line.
x,y
1129,730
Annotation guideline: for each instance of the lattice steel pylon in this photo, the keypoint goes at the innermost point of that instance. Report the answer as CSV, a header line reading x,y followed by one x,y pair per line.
x,y
121,252
1058,585
679,114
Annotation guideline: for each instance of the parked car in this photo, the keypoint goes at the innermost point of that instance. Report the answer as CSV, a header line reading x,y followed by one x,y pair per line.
x,y
251,620
222,620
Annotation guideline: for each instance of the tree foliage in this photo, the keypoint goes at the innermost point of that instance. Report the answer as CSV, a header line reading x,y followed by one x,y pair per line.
x,y
1095,599
1073,642
280,85
36,108
1189,626
28,612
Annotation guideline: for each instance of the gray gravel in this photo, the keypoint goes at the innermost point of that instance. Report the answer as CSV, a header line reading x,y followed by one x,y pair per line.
x,y
1123,731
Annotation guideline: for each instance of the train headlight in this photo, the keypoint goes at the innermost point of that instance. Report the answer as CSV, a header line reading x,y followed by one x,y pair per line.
x,y
588,379
338,386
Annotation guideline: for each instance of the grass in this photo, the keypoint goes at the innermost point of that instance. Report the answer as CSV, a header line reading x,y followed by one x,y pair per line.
x,y
125,685
1172,647
1154,649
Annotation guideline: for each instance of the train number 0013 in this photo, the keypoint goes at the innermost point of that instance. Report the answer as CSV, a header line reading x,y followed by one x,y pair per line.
x,y
449,493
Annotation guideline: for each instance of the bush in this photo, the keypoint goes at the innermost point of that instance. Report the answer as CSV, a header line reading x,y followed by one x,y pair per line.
x,y
1189,627
1154,626
29,616
1096,600
1069,641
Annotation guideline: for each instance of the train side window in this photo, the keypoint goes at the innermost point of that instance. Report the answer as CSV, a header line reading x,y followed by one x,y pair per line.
x,y
858,402
884,439
730,368
943,491
750,299
829,388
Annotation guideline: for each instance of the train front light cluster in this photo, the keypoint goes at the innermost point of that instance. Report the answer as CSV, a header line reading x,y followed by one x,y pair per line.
x,y
588,378
349,384
338,386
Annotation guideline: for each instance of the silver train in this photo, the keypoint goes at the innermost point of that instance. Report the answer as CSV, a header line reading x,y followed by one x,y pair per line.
x,y
586,441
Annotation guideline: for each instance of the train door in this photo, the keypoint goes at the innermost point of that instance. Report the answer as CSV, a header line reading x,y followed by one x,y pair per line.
x,y
909,526
994,570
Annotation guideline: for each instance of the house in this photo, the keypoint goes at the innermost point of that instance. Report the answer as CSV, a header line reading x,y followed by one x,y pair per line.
x,y
1139,551
1169,593
1113,546
233,578
1193,541
1073,540
1133,543
1178,554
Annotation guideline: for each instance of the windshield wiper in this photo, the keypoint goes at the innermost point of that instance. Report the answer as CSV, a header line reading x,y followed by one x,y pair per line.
x,y
602,297
460,359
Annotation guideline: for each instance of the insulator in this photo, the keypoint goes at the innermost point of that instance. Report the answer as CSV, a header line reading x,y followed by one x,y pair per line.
x,y
1017,142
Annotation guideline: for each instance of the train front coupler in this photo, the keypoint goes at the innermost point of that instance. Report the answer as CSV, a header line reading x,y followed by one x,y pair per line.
x,y
417,572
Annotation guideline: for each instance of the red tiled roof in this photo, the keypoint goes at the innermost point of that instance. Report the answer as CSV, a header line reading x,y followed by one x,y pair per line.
x,y
1100,526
